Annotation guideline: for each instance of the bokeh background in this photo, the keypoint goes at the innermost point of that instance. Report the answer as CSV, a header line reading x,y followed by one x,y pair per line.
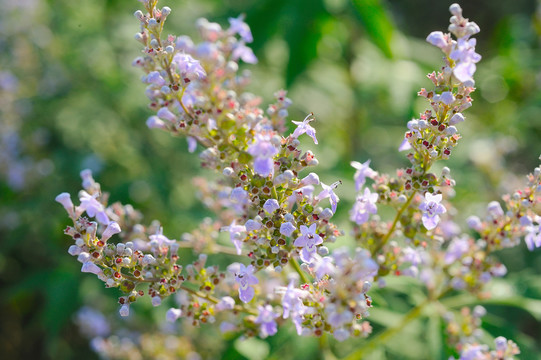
x,y
69,100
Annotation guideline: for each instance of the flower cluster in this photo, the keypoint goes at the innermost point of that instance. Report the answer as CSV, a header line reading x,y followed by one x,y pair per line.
x,y
278,220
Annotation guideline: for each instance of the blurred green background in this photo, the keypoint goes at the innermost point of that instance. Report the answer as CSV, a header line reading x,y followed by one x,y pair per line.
x,y
356,64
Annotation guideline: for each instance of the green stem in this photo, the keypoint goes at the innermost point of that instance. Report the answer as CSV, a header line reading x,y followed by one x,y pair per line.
x,y
297,268
395,222
380,339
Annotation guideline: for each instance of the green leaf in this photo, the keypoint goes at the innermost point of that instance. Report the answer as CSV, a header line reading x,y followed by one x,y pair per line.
x,y
377,23
252,348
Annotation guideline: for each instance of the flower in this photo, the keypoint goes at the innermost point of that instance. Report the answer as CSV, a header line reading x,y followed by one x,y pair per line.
x,y
328,192
457,248
324,266
235,235
437,38
466,57
93,207
431,209
263,152
363,171
238,26
244,276
265,319
244,53
304,127
308,241
173,314
271,205
65,200
287,229
111,229
188,67
225,303
364,206
533,232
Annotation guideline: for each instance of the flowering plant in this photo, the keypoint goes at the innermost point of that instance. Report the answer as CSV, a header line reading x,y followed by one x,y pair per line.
x,y
279,219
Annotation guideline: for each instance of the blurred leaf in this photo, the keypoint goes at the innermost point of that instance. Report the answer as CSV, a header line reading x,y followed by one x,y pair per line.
x,y
377,23
252,348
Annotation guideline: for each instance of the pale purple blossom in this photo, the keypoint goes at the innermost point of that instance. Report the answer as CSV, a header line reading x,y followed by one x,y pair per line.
x,y
437,38
363,171
173,314
111,229
533,233
65,200
235,233
457,248
92,322
447,97
93,207
238,26
192,144
252,225
404,145
466,57
225,303
188,67
305,127
271,205
263,152
265,319
310,179
155,122
287,229
244,53
155,78
328,192
90,267
124,310
363,207
323,266
432,209
308,241
244,276
166,114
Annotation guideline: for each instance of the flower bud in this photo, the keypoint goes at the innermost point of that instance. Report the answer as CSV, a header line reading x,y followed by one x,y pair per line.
x,y
112,228
124,310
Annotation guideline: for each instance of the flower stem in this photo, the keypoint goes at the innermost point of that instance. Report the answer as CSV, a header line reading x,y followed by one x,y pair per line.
x,y
297,268
395,222
380,339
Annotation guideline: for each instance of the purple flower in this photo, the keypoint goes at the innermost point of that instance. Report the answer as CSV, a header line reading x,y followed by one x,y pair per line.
x,y
533,233
466,57
110,230
93,207
287,229
263,152
328,192
238,26
244,276
265,319
437,38
124,310
188,67
364,206
155,122
90,267
173,314
447,97
271,205
304,127
363,171
65,200
252,225
404,145
235,233
226,303
323,266
431,209
155,78
192,144
245,53
308,241
457,248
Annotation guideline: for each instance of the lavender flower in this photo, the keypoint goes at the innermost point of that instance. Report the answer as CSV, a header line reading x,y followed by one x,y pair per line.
x,y
364,206
244,276
308,241
533,233
287,229
263,152
363,171
235,233
304,127
244,53
328,192
93,207
173,314
265,319
238,26
188,67
431,209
